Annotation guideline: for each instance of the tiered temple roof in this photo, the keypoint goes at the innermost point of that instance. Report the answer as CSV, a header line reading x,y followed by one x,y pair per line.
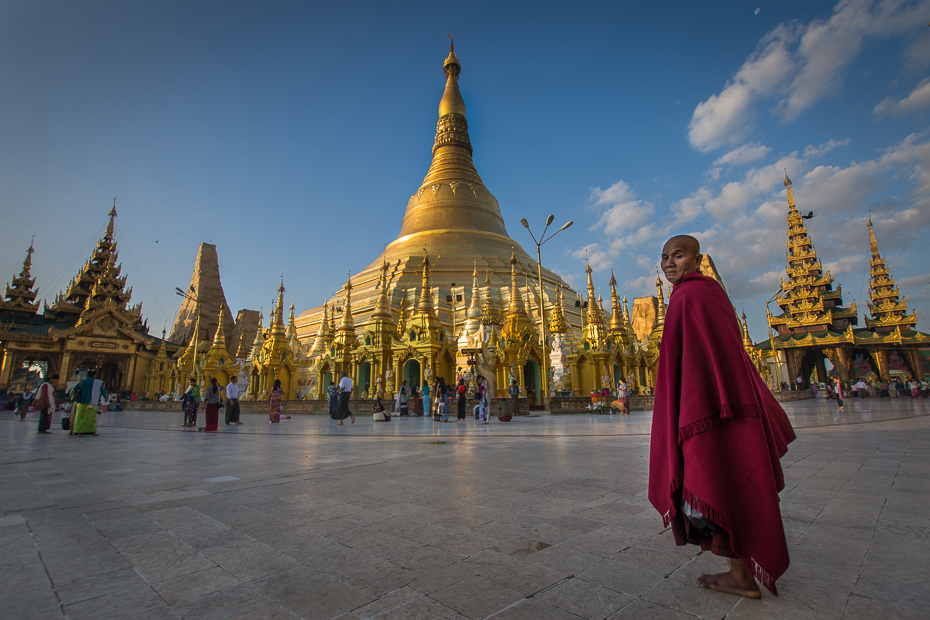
x,y
888,310
807,298
20,296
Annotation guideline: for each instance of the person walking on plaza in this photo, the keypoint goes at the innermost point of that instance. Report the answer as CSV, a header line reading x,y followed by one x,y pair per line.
x,y
213,406
717,434
274,400
623,395
861,387
344,391
426,409
436,399
331,394
838,392
442,390
484,399
403,410
45,404
232,401
90,391
21,405
191,403
461,392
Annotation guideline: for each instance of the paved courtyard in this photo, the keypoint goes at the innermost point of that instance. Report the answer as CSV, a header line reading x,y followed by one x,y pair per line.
x,y
544,517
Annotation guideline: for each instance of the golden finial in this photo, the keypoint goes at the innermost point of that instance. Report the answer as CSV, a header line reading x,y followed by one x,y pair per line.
x,y
788,187
872,241
451,46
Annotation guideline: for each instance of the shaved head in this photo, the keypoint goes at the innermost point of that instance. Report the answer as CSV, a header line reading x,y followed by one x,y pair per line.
x,y
681,255
686,243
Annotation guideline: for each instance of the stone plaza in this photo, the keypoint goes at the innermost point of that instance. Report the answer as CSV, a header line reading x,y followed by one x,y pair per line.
x,y
543,517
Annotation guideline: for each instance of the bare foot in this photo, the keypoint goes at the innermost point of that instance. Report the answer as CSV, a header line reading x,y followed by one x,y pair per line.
x,y
738,580
353,419
340,424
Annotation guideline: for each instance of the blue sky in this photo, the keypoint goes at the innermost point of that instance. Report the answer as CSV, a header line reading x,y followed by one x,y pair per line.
x,y
291,134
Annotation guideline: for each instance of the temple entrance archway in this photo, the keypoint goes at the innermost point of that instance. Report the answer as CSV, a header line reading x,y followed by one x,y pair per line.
x,y
110,374
531,381
411,373
364,379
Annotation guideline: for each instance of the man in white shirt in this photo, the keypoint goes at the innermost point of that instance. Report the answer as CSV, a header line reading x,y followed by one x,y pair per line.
x,y
343,392
232,401
861,387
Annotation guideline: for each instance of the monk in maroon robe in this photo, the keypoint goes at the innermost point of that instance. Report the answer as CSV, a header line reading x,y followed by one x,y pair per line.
x,y
717,434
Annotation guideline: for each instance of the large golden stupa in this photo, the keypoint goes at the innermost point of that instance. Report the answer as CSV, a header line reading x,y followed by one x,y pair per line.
x,y
454,296
454,220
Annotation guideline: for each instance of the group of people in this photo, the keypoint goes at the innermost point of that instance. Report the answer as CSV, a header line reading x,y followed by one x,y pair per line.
x,y
213,400
835,389
436,400
85,404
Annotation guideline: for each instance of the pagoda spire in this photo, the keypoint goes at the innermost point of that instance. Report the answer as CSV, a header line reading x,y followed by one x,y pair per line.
x,y
277,316
474,308
452,195
320,342
383,305
219,338
627,322
490,315
347,325
660,311
558,324
425,304
110,224
790,194
747,340
517,307
20,295
888,309
616,314
259,341
594,315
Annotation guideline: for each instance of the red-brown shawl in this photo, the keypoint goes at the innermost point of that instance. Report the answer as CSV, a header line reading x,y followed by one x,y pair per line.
x,y
717,431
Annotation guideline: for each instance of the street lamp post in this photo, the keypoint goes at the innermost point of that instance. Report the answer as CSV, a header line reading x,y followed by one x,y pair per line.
x,y
544,379
191,294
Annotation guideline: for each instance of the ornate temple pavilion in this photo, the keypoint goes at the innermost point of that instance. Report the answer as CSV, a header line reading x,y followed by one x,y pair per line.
x,y
90,325
814,325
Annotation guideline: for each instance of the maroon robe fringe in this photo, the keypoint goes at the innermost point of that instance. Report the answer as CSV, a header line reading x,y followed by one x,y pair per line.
x,y
717,433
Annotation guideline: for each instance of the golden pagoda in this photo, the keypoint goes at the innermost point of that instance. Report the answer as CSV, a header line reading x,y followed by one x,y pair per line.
x,y
519,339
162,376
218,364
400,323
454,220
272,358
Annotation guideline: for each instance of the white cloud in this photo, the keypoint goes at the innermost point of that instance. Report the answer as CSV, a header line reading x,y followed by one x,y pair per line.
x,y
826,147
917,100
624,209
725,118
743,155
688,209
805,61
598,259
914,281
848,264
